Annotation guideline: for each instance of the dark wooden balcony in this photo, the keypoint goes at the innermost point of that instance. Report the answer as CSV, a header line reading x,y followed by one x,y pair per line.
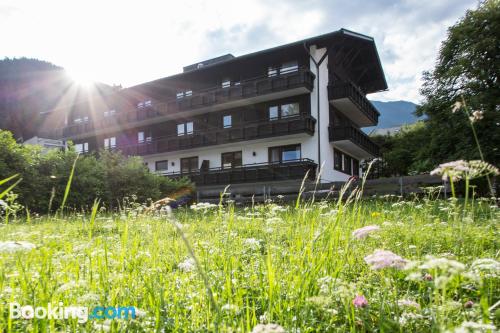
x,y
352,102
352,140
247,131
252,173
250,91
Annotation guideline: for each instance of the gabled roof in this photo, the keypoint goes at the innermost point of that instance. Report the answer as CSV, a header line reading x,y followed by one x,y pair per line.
x,y
363,59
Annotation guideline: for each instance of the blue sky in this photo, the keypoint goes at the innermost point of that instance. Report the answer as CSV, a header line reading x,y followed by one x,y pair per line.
x,y
129,42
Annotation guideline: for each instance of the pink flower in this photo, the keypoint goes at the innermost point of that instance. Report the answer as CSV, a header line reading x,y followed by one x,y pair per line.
x,y
365,231
383,258
468,304
360,301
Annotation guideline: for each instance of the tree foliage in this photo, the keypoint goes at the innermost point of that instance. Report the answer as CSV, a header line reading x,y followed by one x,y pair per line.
x,y
109,176
468,67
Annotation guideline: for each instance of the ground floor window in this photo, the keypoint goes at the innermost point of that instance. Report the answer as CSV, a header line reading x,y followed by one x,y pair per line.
x,y
355,167
345,163
284,153
231,160
110,143
189,164
82,147
161,165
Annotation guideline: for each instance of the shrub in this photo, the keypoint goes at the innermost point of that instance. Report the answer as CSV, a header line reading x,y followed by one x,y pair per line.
x,y
109,176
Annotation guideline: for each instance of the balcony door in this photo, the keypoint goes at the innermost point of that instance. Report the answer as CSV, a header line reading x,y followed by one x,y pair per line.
x,y
231,160
283,154
189,164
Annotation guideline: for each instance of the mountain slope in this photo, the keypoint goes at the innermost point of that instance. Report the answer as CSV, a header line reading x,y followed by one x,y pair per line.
x,y
393,114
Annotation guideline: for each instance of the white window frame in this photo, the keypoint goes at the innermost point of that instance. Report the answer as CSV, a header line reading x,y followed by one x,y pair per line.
x,y
110,143
230,117
82,147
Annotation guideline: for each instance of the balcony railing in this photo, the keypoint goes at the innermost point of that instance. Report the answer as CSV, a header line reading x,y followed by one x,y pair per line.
x,y
250,173
215,96
356,136
210,137
357,103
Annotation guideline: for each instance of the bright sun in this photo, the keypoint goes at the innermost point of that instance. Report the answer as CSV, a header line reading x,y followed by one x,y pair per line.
x,y
82,77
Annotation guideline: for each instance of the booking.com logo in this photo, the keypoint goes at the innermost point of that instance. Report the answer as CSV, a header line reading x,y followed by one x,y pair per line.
x,y
82,313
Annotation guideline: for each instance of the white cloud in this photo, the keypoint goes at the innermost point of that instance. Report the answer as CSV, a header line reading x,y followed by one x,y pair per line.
x,y
130,42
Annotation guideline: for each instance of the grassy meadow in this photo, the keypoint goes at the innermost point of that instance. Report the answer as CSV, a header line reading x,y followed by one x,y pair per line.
x,y
302,267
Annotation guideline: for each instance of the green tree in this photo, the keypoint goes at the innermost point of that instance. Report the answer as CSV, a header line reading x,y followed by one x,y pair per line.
x,y
468,66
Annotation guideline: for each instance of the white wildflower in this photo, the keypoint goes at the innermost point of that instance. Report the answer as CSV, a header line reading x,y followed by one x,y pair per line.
x,y
203,206
472,327
455,107
252,243
13,246
230,308
365,231
461,169
476,116
383,258
268,328
187,265
442,264
408,303
486,266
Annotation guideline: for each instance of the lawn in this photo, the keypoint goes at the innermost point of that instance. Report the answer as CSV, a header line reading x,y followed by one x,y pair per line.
x,y
302,267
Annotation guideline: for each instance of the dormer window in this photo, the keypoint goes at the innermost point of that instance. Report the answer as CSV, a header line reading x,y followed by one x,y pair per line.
x,y
200,65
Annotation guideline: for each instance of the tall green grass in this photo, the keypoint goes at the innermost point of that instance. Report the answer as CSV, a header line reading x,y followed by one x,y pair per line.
x,y
299,267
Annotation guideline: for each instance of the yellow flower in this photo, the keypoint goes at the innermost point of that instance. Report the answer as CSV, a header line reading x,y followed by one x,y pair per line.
x,y
375,214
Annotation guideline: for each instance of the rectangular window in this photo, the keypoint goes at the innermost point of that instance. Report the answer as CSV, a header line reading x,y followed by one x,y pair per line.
x,y
272,71
189,164
355,167
144,104
109,113
226,83
337,160
273,113
180,95
110,143
189,93
161,165
189,128
185,128
82,147
227,121
284,153
289,110
180,130
289,67
77,120
284,111
140,137
231,160
346,167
